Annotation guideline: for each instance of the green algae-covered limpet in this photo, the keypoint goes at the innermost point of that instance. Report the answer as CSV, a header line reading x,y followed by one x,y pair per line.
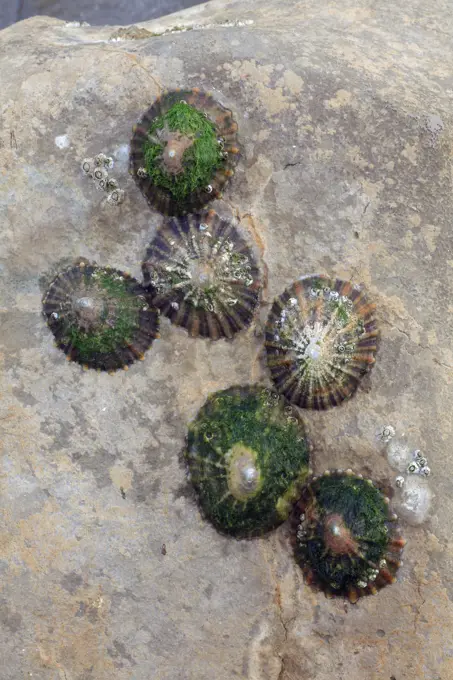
x,y
321,339
100,317
248,458
183,151
203,275
344,535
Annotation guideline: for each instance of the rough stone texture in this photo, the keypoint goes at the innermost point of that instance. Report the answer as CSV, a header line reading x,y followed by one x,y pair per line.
x,y
346,118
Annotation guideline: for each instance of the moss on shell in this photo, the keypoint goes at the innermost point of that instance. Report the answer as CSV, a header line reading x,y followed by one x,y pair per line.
x,y
105,337
250,428
100,317
184,150
200,160
343,535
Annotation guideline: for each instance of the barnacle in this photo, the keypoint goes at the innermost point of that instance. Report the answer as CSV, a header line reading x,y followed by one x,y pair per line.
x,y
100,317
247,457
115,197
321,338
88,166
183,151
203,275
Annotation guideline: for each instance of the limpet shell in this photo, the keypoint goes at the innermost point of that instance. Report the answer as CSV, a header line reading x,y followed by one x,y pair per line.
x,y
174,145
203,275
321,338
100,317
247,460
344,535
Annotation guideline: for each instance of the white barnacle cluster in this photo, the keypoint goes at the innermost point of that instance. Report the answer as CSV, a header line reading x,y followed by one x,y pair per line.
x,y
413,493
97,169
302,529
221,143
236,266
271,398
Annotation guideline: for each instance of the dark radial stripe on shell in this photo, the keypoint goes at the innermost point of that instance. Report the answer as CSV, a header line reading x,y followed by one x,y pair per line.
x,y
248,457
345,536
117,346
321,338
226,127
203,275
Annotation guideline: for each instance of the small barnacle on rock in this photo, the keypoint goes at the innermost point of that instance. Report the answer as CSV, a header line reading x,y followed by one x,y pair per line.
x,y
100,317
100,173
345,543
386,433
102,160
321,338
176,158
246,461
111,184
116,197
88,166
203,275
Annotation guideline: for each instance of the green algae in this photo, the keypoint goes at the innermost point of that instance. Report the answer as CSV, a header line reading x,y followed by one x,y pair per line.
x,y
253,419
200,161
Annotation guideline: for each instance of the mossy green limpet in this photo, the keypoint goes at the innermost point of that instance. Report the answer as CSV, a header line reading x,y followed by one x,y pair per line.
x,y
183,151
100,317
344,535
248,456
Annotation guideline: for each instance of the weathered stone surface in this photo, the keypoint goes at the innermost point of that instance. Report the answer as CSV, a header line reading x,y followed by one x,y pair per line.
x,y
346,118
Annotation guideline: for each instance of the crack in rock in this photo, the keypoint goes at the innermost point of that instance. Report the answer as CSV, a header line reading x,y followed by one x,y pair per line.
x,y
292,165
427,347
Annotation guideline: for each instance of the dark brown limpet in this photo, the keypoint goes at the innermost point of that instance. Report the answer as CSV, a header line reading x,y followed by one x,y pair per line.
x,y
344,535
100,317
183,151
203,275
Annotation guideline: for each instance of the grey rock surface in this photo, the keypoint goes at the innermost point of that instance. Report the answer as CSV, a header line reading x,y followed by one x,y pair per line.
x,y
345,114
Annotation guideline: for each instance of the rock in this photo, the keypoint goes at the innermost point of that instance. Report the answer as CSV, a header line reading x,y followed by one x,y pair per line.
x,y
346,122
